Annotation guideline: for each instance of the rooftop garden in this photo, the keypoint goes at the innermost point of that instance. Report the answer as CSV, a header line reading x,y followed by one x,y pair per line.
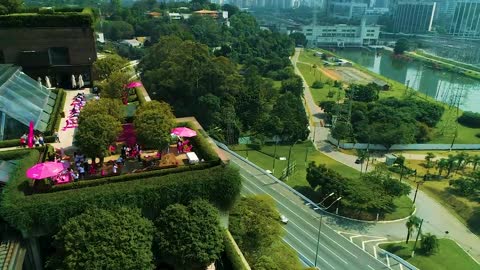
x,y
49,17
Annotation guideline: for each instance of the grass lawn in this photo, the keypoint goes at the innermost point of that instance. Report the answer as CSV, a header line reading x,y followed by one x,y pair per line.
x,y
449,256
322,93
264,159
444,131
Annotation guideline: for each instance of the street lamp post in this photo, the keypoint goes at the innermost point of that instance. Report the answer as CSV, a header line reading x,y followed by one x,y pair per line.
x,y
320,226
274,156
289,155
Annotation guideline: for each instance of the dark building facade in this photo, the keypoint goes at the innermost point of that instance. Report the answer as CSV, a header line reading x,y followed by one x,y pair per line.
x,y
413,17
49,48
466,19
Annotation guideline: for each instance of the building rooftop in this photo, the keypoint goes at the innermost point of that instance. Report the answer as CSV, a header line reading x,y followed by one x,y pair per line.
x,y
54,19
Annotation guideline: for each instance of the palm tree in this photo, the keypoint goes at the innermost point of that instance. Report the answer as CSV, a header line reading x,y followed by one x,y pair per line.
x,y
451,161
475,161
461,160
361,155
429,158
441,165
412,224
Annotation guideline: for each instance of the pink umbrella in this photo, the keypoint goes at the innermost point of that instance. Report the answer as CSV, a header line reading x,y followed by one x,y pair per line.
x,y
184,132
134,84
44,170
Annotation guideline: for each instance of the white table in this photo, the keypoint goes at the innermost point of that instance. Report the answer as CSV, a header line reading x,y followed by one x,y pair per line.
x,y
192,158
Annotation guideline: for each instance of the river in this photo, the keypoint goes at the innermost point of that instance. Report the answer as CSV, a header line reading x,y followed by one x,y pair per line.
x,y
444,86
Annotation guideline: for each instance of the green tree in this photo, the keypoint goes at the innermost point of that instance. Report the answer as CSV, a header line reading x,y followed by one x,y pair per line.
x,y
317,85
429,159
341,131
291,112
116,30
10,6
153,123
189,237
364,93
442,164
114,86
103,68
401,46
299,38
254,224
96,133
362,155
104,106
293,85
429,244
412,224
103,239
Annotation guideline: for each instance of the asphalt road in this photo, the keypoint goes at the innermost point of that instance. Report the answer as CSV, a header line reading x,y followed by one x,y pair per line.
x,y
301,232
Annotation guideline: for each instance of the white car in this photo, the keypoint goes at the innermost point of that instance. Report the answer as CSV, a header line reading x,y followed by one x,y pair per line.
x,y
283,219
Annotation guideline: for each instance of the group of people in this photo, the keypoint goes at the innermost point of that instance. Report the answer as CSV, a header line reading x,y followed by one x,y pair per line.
x,y
183,146
37,140
130,152
77,104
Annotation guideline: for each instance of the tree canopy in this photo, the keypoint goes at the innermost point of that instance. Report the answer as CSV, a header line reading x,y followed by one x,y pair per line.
x,y
255,226
95,133
189,237
10,6
103,68
401,46
106,106
115,84
153,123
103,239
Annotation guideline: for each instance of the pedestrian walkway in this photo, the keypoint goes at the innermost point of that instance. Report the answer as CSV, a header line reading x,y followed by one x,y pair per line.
x,y
66,135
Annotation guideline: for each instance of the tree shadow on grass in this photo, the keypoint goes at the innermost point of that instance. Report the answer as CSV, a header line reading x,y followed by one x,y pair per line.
x,y
474,221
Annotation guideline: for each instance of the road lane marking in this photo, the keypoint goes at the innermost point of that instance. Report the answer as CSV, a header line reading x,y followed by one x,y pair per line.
x,y
375,251
351,237
305,233
355,256
373,240
370,267
310,249
251,174
303,257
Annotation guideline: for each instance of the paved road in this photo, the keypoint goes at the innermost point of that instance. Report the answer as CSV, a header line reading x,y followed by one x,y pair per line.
x,y
335,251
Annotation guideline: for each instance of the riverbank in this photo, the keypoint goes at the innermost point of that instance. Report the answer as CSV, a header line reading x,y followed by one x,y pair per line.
x,y
445,130
450,65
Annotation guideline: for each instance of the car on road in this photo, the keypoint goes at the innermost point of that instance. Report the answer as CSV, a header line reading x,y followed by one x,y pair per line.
x,y
358,161
283,219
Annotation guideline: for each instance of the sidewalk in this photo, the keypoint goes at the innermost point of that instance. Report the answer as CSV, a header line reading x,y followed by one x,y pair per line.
x,y
66,136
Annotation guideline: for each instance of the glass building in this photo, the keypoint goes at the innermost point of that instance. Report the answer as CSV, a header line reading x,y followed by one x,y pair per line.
x,y
22,100
413,16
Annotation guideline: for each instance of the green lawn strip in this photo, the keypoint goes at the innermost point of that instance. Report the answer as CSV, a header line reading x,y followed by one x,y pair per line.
x,y
444,131
264,159
404,208
322,93
453,66
449,256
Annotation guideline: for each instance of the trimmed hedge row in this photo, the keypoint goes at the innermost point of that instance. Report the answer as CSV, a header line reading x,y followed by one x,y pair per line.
x,y
46,20
132,176
203,147
234,254
44,213
56,118
140,95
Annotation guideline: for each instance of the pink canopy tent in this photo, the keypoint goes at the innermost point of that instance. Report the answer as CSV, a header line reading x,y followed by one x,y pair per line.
x,y
44,170
184,132
134,84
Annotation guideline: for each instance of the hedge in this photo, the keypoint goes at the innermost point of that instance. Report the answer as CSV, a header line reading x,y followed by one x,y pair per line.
x,y
140,95
203,147
132,176
46,20
55,116
234,254
470,119
44,213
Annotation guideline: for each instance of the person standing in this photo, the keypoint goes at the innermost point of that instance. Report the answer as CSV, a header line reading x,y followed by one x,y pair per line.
x,y
55,135
115,167
23,140
36,141
41,141
81,172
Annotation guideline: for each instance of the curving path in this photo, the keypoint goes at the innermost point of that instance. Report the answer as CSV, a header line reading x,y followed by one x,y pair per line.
x,y
437,219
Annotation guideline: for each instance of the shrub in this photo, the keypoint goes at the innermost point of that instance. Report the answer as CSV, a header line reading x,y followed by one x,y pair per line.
x,y
317,84
46,212
202,146
470,119
46,20
56,115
